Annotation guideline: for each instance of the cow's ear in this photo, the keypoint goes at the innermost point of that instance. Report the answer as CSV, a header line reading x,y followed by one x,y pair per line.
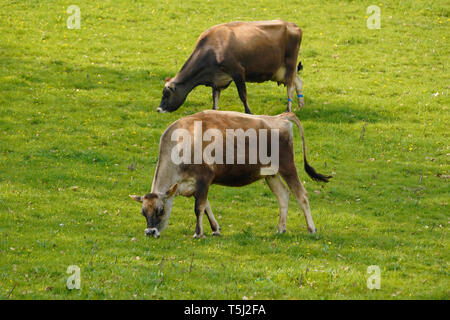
x,y
137,198
171,190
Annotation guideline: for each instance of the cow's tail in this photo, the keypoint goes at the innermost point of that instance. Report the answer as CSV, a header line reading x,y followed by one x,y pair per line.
x,y
309,170
299,66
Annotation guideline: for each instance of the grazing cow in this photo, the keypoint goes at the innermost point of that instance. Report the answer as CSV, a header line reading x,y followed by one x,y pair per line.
x,y
240,52
242,163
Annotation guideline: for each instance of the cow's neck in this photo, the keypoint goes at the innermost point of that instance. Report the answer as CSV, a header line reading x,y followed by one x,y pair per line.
x,y
196,71
165,177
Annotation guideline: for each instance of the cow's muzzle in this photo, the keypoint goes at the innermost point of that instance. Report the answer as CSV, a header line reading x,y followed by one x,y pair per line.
x,y
152,232
160,110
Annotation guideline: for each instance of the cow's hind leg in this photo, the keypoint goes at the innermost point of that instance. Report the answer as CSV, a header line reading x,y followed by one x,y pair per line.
x,y
299,89
290,61
302,198
280,190
212,220
290,94
290,83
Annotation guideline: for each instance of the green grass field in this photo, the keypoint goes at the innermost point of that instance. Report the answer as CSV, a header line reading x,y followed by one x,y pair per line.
x,y
79,132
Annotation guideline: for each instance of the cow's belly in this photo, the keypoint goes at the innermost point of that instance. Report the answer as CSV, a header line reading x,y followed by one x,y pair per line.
x,y
237,175
222,79
260,76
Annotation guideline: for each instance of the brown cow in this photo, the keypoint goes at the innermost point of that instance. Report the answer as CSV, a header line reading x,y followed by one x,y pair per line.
x,y
240,52
244,162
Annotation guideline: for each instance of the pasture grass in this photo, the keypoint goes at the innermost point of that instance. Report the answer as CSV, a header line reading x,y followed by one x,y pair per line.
x,y
79,132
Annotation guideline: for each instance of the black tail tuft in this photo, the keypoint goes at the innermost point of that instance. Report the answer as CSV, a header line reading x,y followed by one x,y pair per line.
x,y
315,175
299,67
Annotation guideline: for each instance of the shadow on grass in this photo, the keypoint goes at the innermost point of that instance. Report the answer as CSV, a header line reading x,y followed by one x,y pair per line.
x,y
340,112
322,110
60,74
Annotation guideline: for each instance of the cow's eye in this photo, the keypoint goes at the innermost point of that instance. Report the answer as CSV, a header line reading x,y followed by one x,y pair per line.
x,y
159,211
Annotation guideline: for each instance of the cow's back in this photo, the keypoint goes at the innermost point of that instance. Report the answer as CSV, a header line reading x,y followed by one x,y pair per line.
x,y
222,120
259,47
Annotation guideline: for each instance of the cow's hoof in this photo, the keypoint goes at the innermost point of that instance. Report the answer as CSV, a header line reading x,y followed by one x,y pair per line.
x,y
301,104
311,230
281,231
216,233
198,236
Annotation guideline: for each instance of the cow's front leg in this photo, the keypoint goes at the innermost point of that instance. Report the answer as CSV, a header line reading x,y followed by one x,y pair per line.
x,y
201,200
299,89
199,209
215,96
242,90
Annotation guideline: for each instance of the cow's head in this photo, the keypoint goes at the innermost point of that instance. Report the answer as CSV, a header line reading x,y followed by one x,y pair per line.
x,y
173,96
156,210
